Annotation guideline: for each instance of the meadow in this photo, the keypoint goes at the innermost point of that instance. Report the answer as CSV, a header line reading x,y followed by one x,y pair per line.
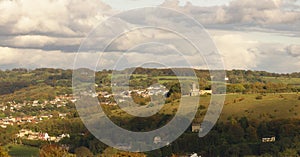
x,y
253,106
22,151
264,107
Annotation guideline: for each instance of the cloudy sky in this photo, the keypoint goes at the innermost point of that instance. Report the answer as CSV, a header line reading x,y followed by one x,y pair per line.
x,y
249,34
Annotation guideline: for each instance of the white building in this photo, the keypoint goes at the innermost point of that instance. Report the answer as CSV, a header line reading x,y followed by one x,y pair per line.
x,y
205,92
194,90
157,140
268,139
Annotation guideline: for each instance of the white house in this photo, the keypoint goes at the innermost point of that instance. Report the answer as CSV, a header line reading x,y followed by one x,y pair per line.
x,y
157,140
204,92
268,139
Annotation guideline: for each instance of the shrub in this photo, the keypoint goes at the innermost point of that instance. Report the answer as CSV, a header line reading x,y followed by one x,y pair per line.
x,y
259,97
201,107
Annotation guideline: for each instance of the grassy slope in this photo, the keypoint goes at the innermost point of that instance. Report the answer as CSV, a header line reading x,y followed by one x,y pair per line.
x,y
36,92
282,80
271,106
22,151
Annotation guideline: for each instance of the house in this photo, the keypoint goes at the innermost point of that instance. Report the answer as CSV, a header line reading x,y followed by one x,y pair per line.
x,y
157,89
195,155
62,115
196,127
24,132
73,100
30,135
268,139
205,92
157,140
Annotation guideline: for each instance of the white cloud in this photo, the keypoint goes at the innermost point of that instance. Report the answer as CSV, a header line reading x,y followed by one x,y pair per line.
x,y
254,50
37,33
51,17
234,48
49,24
293,50
31,58
29,41
41,42
244,13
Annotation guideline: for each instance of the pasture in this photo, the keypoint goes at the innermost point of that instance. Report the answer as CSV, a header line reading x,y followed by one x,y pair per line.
x,y
22,151
269,107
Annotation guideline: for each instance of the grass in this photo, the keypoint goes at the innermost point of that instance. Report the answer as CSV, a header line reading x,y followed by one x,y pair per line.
x,y
271,106
285,80
161,79
22,151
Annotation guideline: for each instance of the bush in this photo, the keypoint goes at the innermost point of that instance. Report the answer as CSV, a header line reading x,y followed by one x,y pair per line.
x,y
201,107
259,97
33,143
83,152
3,152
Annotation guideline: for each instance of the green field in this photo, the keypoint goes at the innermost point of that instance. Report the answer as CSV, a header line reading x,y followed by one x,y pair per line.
x,y
271,106
163,79
22,151
160,79
284,80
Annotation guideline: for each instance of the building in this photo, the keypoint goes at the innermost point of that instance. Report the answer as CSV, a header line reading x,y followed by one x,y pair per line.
x,y
268,139
194,90
205,92
157,89
157,140
196,127
195,155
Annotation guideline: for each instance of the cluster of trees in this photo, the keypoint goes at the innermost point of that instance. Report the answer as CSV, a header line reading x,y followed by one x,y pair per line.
x,y
240,137
56,150
8,135
260,87
16,79
3,152
235,137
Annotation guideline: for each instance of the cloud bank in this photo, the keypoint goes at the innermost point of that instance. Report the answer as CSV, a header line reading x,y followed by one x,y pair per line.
x,y
249,35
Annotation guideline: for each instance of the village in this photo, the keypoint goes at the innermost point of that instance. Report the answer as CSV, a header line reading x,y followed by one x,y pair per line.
x,y
31,135
13,107
105,98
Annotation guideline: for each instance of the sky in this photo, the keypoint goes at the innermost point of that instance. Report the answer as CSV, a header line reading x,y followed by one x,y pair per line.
x,y
248,34
131,4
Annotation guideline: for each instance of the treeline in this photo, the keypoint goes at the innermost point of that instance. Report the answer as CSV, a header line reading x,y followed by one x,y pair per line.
x,y
261,87
16,79
239,80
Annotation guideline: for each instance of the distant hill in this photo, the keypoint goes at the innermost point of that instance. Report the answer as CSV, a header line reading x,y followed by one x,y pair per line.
x,y
18,79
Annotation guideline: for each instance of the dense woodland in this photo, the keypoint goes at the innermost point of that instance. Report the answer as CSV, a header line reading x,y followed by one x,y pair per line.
x,y
238,136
